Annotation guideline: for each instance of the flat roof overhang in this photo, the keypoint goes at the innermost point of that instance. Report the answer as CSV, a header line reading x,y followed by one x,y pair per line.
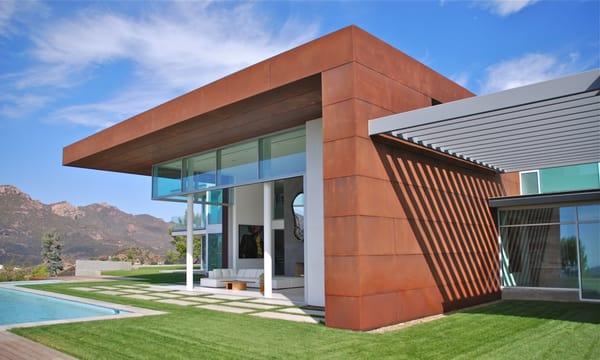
x,y
547,124
545,199
278,93
281,108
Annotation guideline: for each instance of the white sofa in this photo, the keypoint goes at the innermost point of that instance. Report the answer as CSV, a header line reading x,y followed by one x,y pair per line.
x,y
217,277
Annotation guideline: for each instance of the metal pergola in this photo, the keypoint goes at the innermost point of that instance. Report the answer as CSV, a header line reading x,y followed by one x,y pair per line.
x,y
552,123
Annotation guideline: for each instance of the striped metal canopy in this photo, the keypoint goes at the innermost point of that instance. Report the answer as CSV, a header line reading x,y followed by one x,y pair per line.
x,y
552,123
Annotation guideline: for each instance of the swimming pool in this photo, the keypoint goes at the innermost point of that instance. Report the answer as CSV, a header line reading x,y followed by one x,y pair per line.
x,y
17,307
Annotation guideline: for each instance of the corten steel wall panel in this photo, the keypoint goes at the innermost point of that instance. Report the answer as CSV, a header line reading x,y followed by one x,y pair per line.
x,y
394,64
511,183
411,233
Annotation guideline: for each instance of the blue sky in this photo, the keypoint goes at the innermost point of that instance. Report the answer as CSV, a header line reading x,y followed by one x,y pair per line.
x,y
69,69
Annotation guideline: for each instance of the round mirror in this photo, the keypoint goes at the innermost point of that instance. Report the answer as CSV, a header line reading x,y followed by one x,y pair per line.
x,y
298,209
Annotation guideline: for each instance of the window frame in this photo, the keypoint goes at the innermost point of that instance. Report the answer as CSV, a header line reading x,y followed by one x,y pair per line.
x,y
539,185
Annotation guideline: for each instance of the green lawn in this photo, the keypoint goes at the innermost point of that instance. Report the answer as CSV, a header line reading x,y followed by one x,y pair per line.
x,y
153,274
509,330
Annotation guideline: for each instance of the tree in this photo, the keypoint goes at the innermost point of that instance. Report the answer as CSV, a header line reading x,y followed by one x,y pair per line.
x,y
51,252
131,255
172,256
179,243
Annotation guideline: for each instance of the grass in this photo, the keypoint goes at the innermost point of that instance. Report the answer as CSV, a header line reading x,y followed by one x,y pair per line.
x,y
153,274
505,330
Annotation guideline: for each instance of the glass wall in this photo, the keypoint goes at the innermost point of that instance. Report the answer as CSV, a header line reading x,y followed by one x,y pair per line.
x,y
283,154
166,179
589,250
560,179
539,247
179,223
551,247
215,212
238,164
200,172
277,156
215,251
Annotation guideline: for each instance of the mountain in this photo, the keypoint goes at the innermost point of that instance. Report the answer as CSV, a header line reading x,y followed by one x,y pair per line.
x,y
87,231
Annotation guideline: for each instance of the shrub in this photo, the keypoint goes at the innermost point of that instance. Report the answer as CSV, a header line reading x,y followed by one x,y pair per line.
x,y
39,272
12,274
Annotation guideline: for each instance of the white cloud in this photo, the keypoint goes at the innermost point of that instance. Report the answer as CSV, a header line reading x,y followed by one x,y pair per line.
x,y
172,49
14,12
182,47
505,7
527,69
15,106
7,9
461,79
105,113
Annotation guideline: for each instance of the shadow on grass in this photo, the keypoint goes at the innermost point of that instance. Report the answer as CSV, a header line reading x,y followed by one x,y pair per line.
x,y
562,311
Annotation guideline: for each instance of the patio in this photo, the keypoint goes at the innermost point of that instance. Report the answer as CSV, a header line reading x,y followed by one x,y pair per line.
x,y
283,305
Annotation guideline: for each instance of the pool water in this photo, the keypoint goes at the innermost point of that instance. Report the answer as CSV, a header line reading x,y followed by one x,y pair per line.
x,y
22,307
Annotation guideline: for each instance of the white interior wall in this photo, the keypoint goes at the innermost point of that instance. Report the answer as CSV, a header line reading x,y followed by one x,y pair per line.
x,y
248,211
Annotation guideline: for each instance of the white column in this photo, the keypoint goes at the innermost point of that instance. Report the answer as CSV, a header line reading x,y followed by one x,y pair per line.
x,y
189,244
267,220
314,249
234,228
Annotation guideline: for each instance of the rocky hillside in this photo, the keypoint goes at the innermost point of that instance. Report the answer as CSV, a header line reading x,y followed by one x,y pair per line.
x,y
87,231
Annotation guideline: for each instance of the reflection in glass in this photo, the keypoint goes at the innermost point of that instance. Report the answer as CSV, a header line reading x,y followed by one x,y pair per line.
x,y
298,209
278,195
283,154
179,223
587,213
201,171
538,216
540,256
238,164
589,260
166,179
529,183
215,251
273,157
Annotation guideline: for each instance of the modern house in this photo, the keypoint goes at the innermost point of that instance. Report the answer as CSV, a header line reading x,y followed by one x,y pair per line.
x,y
383,190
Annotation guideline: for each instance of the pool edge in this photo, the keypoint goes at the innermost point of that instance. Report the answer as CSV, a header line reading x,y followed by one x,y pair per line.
x,y
130,311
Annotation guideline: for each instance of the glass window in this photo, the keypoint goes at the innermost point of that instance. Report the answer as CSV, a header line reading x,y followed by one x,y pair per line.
x,y
199,217
279,194
570,178
586,213
529,183
298,209
283,154
238,164
537,216
166,179
589,260
215,251
540,256
201,171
